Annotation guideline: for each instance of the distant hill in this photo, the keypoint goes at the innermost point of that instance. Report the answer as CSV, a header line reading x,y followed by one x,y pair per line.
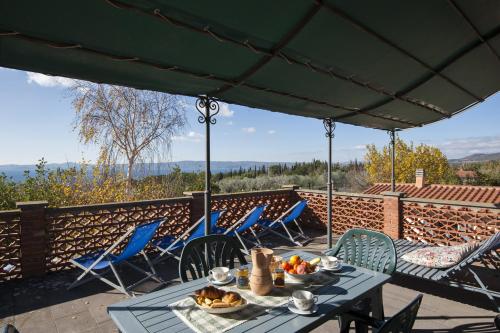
x,y
16,171
477,158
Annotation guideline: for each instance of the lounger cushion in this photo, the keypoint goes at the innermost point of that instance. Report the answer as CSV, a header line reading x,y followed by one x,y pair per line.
x,y
440,256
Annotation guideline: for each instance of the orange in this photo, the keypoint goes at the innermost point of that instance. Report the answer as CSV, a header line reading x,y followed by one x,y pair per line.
x,y
286,266
294,260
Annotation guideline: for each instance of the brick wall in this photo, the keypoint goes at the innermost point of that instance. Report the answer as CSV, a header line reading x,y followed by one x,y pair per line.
x,y
36,239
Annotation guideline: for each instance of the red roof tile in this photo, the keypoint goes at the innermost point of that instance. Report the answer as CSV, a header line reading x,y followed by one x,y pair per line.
x,y
484,194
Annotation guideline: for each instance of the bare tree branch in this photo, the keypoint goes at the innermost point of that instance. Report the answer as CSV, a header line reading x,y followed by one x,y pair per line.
x,y
126,122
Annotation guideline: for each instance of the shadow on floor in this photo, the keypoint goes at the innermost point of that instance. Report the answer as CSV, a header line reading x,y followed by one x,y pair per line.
x,y
443,291
478,327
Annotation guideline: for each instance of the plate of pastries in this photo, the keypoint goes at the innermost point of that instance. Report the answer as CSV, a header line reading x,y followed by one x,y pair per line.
x,y
218,301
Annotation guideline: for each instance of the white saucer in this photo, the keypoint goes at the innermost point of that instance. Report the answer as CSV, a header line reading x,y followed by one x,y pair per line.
x,y
336,269
229,279
294,309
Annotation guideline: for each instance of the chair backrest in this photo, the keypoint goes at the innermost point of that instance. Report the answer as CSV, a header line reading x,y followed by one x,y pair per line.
x,y
141,236
369,249
491,244
252,218
222,251
403,320
200,230
295,213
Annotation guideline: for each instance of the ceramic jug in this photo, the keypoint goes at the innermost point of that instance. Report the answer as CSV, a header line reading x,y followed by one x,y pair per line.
x,y
261,280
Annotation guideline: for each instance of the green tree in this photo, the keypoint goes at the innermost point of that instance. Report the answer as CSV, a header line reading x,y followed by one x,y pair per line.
x,y
8,192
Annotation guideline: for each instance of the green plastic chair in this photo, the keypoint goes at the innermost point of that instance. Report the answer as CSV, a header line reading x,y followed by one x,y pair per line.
x,y
365,248
222,252
372,250
401,322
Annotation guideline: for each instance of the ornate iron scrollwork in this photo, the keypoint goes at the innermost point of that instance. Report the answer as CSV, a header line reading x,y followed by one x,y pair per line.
x,y
202,104
329,124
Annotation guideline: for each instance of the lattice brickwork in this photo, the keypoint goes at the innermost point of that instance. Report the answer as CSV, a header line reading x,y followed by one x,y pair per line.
x,y
74,231
448,224
10,245
237,205
348,211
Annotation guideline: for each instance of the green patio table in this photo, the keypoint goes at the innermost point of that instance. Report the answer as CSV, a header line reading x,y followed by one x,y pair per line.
x,y
150,313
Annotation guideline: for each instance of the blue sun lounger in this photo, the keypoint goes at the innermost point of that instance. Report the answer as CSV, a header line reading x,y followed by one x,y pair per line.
x,y
169,246
291,215
100,262
244,224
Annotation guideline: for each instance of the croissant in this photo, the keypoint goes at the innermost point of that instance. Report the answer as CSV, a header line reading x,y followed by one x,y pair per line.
x,y
231,297
210,292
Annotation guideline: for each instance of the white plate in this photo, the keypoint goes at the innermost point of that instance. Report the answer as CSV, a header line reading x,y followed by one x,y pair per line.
x,y
336,269
229,279
294,309
222,310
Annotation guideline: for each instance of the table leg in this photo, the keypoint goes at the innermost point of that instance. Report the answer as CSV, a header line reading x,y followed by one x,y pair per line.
x,y
377,304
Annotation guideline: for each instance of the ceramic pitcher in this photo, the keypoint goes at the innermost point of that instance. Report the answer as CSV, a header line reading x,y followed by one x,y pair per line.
x,y
261,280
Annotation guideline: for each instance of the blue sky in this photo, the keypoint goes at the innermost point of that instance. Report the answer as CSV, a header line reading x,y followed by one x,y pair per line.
x,y
37,121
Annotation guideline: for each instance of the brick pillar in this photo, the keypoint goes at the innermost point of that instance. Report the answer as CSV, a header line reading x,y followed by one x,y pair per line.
x,y
393,226
197,205
33,237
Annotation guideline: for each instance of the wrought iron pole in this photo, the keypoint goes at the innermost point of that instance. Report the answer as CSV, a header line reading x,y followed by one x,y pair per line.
x,y
329,127
208,108
393,157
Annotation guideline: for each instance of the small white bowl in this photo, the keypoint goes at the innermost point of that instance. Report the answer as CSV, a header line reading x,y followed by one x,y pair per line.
x,y
304,277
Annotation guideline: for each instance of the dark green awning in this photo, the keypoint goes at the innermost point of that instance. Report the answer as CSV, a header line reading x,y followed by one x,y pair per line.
x,y
383,64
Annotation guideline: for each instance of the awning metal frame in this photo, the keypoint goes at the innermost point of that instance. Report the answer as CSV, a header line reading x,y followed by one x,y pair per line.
x,y
208,108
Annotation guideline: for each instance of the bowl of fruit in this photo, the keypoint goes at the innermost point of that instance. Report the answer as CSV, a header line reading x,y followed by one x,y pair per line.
x,y
301,270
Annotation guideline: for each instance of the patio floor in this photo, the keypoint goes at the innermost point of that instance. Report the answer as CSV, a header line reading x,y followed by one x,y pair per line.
x,y
44,305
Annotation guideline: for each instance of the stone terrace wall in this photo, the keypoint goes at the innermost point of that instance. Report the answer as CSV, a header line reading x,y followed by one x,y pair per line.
x,y
448,222
10,244
349,210
237,205
74,231
35,239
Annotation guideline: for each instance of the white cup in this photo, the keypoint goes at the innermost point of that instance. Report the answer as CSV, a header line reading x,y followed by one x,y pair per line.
x,y
220,273
303,300
330,262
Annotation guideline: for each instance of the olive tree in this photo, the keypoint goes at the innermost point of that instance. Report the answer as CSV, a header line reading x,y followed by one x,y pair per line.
x,y
127,124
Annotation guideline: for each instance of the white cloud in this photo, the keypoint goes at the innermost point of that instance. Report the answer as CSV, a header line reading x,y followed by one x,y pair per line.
x,y
190,137
271,132
360,147
249,129
229,123
461,147
225,111
49,81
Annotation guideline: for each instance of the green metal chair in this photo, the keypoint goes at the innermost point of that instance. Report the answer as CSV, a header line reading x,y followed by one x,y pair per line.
x,y
222,251
401,322
365,248
372,250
